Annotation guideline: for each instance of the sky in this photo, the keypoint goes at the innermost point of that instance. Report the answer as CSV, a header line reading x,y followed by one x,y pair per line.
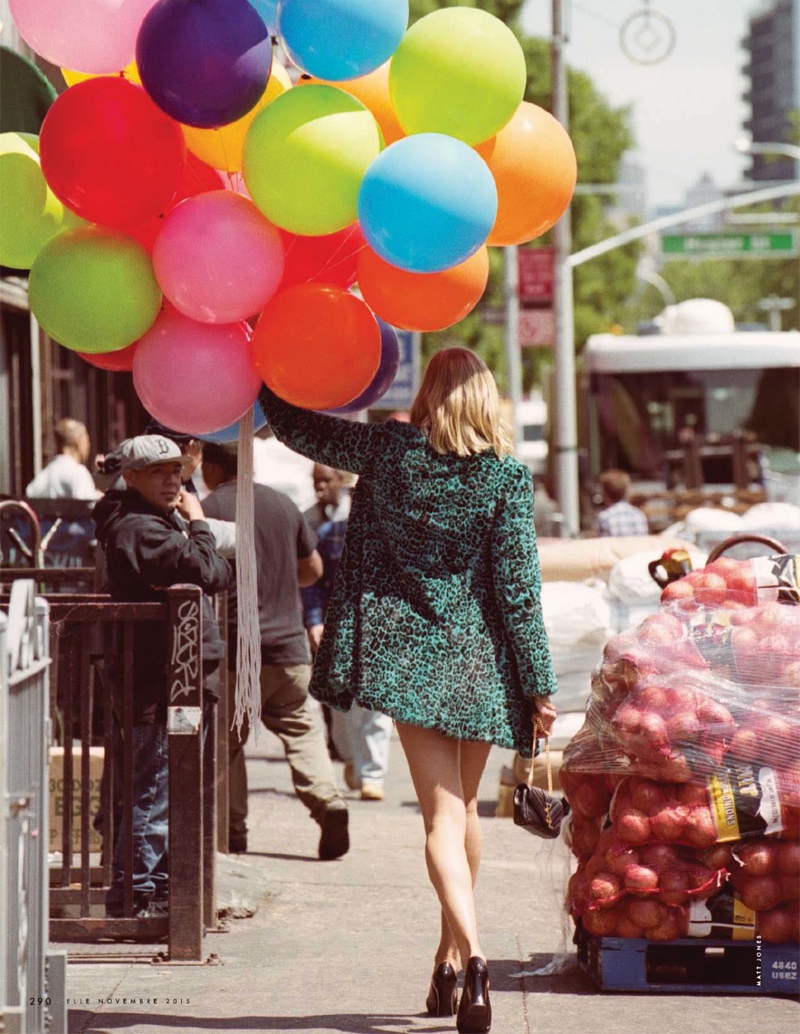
x,y
687,110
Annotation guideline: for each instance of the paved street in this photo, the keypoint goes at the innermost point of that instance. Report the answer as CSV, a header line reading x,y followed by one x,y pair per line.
x,y
347,946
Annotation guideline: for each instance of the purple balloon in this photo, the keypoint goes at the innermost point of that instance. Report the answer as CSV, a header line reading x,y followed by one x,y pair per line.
x,y
204,62
387,371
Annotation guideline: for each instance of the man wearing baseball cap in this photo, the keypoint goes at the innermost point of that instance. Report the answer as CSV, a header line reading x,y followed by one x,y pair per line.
x,y
149,548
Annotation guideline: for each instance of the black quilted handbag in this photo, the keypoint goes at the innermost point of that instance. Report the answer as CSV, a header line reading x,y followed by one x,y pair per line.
x,y
539,812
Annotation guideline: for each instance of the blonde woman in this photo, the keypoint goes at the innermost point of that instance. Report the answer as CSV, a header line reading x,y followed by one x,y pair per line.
x,y
436,619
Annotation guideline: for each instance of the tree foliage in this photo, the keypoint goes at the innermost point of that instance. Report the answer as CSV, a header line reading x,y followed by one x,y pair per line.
x,y
601,135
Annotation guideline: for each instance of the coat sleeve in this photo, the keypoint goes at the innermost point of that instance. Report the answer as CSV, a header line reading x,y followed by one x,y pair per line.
x,y
162,556
518,586
343,444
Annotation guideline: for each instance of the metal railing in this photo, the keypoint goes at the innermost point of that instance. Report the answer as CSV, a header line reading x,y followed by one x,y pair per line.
x,y
51,580
32,980
92,644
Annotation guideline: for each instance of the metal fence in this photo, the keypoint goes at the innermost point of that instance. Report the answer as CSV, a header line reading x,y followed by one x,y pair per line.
x,y
32,980
92,647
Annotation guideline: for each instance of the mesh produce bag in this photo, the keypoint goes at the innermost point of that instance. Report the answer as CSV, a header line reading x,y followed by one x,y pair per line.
x,y
684,780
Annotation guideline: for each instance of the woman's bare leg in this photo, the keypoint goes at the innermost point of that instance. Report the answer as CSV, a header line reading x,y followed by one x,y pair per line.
x,y
440,767
473,762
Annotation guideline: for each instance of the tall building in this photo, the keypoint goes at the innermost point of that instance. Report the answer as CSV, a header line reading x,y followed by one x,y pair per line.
x,y
630,205
701,193
773,67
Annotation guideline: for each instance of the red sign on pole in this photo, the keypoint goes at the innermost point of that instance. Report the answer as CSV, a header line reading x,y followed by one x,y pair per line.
x,y
535,275
536,327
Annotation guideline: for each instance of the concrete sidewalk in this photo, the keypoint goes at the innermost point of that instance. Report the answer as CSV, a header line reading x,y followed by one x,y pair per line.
x,y
348,946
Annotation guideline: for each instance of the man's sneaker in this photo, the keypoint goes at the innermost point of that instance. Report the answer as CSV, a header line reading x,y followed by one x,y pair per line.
x,y
141,907
350,777
371,792
157,909
335,839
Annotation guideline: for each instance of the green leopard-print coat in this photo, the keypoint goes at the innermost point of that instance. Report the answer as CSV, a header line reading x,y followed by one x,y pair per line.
x,y
435,617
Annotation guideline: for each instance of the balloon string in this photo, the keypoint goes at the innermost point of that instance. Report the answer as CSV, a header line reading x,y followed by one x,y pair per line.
x,y
334,259
247,700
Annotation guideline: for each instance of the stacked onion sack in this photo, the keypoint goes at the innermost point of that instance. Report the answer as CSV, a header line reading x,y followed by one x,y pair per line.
x,y
684,781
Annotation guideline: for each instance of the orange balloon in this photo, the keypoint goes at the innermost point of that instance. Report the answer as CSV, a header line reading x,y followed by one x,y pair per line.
x,y
422,301
372,90
533,164
317,346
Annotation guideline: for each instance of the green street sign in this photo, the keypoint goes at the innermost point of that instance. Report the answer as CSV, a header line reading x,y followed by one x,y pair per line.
x,y
729,245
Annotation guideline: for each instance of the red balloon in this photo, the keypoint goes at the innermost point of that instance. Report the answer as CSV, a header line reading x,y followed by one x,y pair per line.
x,y
329,259
317,346
197,178
110,154
117,362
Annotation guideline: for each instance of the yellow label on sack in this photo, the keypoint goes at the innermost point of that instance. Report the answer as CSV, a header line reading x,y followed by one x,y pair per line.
x,y
744,920
723,807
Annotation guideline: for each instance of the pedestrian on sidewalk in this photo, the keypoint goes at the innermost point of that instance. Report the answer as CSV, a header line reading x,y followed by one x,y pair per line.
x,y
66,476
361,737
618,516
332,503
436,619
148,547
286,559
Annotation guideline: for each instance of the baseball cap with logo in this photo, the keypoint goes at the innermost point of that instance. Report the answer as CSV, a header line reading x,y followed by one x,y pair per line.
x,y
145,450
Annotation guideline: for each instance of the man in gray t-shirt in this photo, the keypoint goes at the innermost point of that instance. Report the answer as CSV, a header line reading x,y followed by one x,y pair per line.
x,y
286,559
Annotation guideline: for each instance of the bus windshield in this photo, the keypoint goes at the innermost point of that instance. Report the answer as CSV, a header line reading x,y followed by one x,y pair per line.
x,y
635,418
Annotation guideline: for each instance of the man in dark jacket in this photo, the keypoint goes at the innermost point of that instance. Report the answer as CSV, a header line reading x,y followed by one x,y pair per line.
x,y
148,547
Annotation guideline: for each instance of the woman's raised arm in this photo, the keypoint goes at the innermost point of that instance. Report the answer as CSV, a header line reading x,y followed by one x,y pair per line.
x,y
329,440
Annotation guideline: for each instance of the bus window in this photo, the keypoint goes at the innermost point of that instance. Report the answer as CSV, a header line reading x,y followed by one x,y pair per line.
x,y
638,416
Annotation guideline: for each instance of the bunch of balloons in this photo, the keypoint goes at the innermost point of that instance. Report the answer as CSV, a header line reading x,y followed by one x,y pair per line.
x,y
187,188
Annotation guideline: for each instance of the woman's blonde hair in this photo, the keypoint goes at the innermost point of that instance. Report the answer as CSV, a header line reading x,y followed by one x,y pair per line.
x,y
458,406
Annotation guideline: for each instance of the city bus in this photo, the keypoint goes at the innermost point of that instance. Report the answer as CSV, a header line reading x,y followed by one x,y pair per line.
x,y
642,394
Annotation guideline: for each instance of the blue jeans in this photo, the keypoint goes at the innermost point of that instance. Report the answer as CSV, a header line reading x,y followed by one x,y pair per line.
x,y
363,738
149,744
150,818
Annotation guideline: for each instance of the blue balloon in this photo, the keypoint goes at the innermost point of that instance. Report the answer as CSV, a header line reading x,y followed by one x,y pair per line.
x,y
231,432
427,203
204,62
341,39
386,373
268,11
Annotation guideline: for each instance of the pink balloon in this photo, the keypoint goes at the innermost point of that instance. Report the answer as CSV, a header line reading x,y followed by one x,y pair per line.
x,y
84,35
195,377
217,258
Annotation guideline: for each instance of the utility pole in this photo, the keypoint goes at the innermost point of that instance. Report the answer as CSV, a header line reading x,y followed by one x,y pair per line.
x,y
564,422
512,348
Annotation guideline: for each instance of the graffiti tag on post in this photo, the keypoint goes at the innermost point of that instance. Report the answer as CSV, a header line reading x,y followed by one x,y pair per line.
x,y
186,650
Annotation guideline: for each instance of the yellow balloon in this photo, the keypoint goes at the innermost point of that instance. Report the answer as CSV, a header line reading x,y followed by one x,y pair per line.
x,y
222,148
129,72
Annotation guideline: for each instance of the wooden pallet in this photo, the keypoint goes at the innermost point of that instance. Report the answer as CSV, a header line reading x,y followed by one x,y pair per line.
x,y
690,965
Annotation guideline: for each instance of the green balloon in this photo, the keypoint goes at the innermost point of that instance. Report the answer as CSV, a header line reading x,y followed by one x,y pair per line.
x,y
304,158
459,71
94,290
30,213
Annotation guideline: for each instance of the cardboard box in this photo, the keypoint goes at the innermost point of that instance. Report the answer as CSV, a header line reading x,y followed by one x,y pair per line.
x,y
96,757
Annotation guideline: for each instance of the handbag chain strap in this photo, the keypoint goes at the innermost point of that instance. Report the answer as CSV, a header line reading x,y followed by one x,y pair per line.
x,y
537,725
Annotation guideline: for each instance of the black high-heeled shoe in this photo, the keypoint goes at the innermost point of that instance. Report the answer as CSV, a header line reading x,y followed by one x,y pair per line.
x,y
443,994
474,1009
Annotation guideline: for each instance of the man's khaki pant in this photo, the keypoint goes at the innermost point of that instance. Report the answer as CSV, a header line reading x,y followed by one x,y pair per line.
x,y
286,712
